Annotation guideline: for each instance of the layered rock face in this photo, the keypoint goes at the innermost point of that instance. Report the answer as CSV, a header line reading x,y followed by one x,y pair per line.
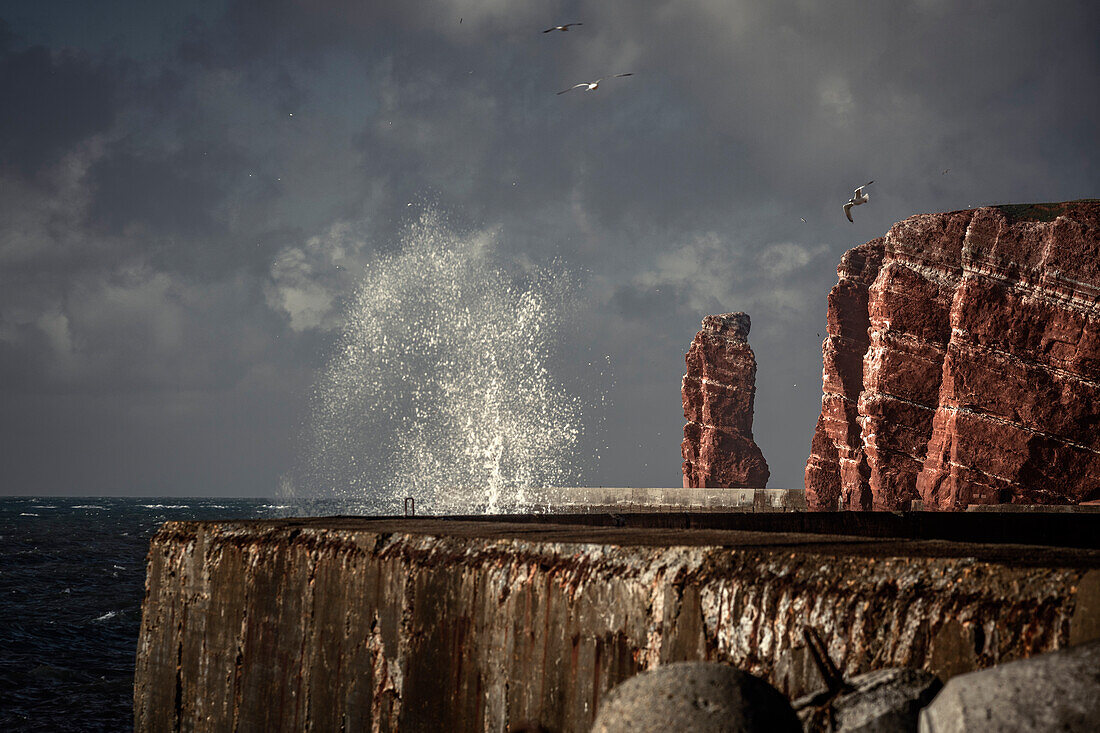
x,y
962,364
718,392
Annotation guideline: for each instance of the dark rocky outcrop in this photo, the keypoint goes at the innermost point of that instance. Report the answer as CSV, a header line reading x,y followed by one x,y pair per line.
x,y
962,364
1058,691
718,392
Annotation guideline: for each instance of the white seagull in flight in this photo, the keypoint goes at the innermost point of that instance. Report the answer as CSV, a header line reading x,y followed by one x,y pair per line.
x,y
562,28
857,198
591,86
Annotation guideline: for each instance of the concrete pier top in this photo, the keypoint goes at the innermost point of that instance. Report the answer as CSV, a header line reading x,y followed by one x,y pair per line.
x,y
602,499
1015,540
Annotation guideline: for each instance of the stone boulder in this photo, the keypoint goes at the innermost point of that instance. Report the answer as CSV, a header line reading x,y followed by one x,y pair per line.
x,y
962,363
718,393
703,697
1056,691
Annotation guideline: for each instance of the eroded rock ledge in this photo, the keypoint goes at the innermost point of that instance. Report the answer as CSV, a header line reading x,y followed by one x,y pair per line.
x,y
718,392
962,364
355,624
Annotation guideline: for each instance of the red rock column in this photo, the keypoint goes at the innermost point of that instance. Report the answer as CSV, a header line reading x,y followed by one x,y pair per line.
x,y
718,392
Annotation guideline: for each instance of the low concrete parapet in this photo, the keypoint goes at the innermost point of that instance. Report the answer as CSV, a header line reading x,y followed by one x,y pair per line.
x,y
674,499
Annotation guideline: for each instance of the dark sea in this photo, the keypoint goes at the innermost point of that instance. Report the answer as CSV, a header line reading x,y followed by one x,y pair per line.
x,y
72,578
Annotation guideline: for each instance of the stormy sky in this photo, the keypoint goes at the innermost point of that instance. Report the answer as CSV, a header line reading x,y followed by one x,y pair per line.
x,y
188,190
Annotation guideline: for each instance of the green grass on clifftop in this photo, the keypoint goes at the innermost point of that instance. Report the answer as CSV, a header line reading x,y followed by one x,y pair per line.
x,y
1039,212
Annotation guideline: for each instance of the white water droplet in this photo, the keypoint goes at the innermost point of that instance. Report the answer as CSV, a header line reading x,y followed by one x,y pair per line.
x,y
440,388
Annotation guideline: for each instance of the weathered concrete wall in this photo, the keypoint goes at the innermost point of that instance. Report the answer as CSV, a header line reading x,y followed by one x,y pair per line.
x,y
352,624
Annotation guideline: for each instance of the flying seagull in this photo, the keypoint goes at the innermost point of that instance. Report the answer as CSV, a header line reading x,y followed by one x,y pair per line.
x,y
562,28
857,198
591,86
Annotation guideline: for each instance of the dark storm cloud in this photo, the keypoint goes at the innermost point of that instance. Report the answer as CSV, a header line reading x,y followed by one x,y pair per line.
x,y
51,100
743,119
132,267
164,194
195,225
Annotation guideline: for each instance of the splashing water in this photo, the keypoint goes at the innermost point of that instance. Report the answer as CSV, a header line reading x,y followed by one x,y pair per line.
x,y
439,387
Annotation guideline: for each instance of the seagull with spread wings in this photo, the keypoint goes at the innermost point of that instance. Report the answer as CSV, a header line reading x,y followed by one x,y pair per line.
x,y
857,198
591,86
562,28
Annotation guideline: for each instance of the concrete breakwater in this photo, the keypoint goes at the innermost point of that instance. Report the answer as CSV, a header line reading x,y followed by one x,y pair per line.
x,y
424,624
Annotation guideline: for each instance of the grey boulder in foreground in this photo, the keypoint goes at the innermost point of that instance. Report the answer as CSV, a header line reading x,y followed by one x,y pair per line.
x,y
702,697
882,701
1059,691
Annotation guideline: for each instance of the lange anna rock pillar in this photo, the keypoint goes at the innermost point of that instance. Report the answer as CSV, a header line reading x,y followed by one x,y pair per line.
x,y
718,391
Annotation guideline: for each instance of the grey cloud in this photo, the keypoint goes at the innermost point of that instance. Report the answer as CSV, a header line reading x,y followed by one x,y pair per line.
x,y
134,328
143,247
309,281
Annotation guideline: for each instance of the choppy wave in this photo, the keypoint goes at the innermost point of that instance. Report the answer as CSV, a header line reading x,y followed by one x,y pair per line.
x,y
70,606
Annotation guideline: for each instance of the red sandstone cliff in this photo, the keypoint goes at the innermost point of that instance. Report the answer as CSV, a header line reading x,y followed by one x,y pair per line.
x,y
718,393
962,364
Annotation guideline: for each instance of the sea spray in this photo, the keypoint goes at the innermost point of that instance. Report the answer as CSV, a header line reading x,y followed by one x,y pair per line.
x,y
440,386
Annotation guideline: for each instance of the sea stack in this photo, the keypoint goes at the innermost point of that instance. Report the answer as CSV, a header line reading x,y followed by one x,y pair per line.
x,y
962,363
718,392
